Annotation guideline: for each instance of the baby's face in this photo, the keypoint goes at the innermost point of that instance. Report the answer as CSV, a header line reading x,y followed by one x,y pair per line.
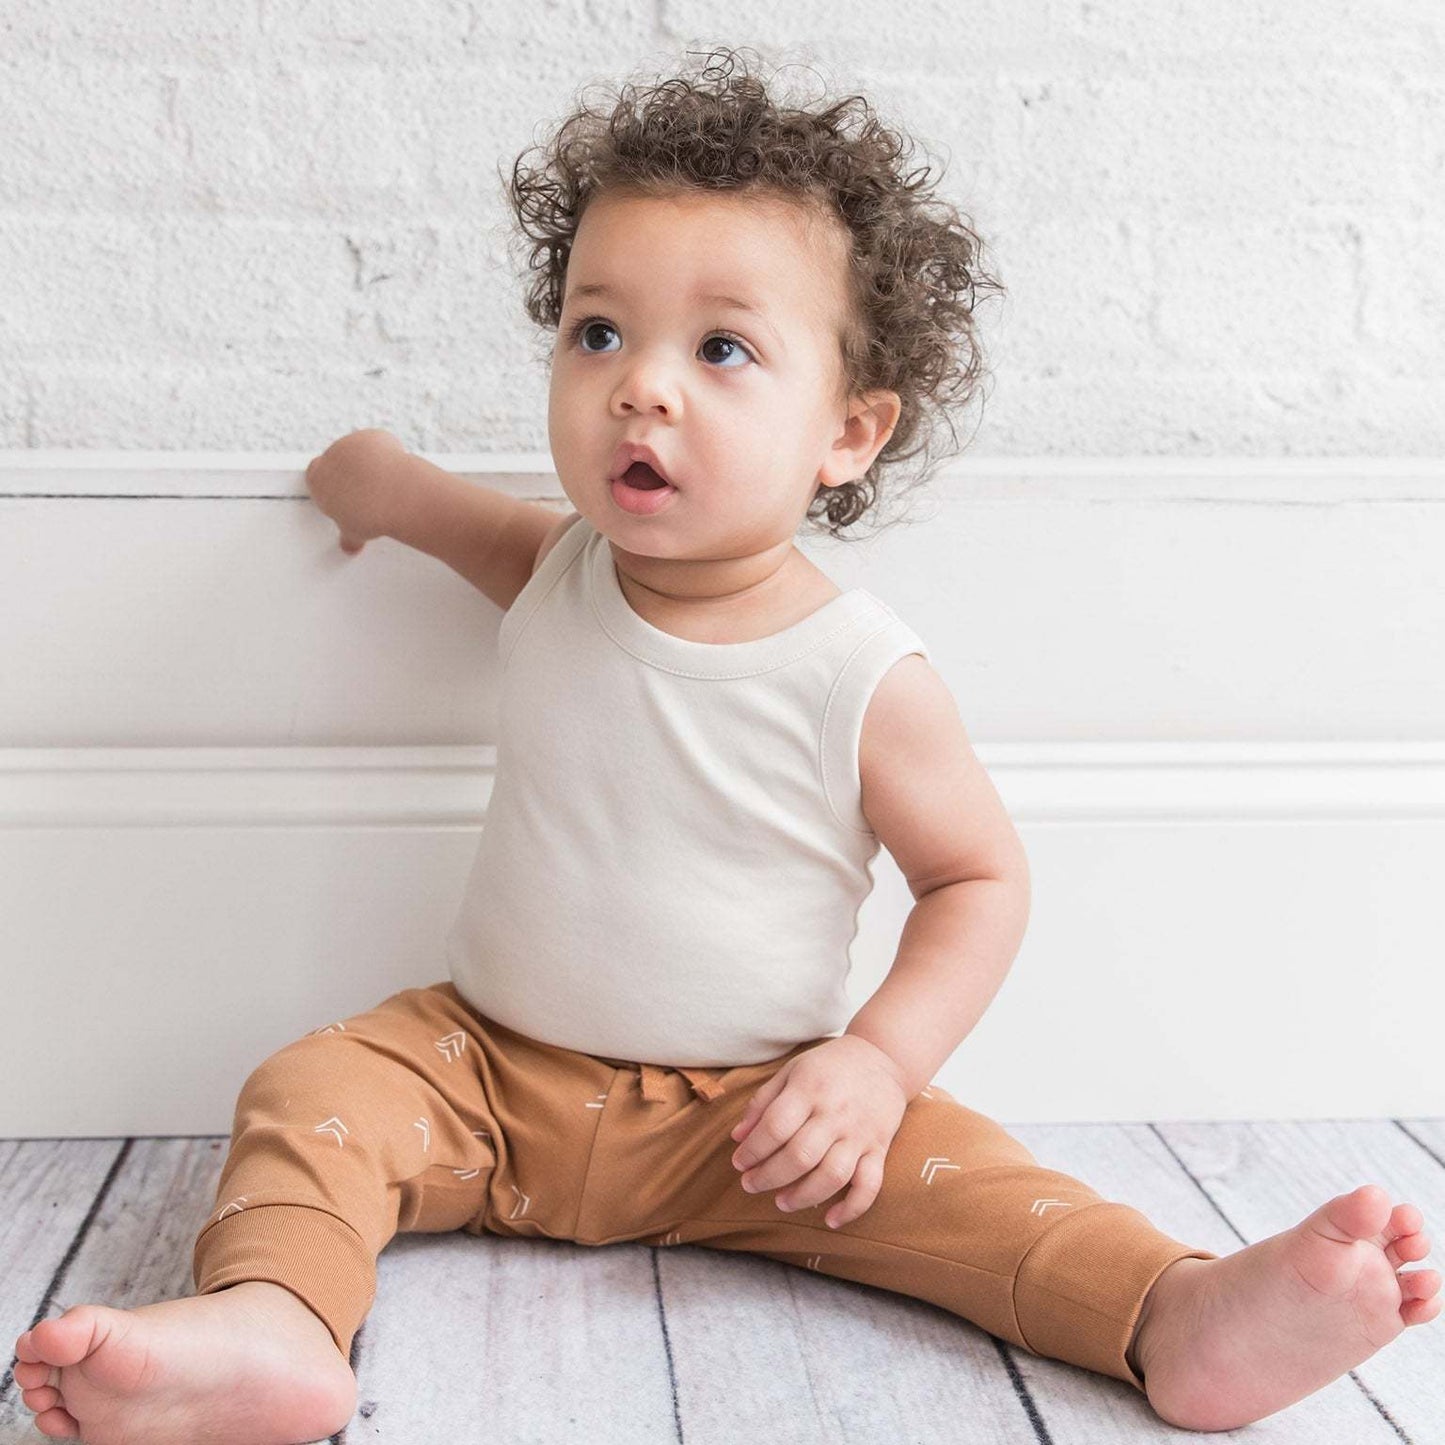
x,y
740,406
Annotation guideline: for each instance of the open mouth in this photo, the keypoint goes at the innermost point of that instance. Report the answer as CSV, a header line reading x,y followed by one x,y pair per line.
x,y
643,478
641,490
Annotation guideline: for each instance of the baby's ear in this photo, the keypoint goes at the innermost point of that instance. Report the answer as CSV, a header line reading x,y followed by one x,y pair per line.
x,y
885,407
871,420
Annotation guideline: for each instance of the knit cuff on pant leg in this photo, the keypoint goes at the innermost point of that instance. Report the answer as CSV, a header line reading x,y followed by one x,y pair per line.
x,y
315,1255
1080,1289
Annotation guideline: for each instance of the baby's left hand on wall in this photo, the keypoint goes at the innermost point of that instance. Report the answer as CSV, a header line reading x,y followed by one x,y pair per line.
x,y
827,1119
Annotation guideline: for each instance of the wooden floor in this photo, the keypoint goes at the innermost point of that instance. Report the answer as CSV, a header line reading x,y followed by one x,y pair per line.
x,y
480,1339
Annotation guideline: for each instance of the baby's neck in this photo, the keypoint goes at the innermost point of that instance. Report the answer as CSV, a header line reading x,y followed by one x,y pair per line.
x,y
730,600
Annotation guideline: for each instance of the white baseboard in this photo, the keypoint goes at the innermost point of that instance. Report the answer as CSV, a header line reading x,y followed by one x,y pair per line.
x,y
241,777
1217,931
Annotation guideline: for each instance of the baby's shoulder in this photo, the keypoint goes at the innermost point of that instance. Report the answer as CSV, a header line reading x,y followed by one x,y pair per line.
x,y
909,692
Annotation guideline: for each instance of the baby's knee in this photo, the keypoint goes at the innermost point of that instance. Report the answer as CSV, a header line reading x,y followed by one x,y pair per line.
x,y
304,1067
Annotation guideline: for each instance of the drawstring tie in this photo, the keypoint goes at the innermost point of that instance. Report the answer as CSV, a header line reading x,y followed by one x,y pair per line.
x,y
654,1083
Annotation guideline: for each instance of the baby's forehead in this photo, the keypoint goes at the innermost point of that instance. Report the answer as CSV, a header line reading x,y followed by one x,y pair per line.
x,y
795,224
782,260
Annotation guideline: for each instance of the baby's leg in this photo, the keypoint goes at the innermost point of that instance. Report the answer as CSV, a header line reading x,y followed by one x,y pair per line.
x,y
967,1219
341,1139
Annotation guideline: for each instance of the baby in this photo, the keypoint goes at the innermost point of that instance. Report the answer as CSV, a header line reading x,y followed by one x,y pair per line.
x,y
703,743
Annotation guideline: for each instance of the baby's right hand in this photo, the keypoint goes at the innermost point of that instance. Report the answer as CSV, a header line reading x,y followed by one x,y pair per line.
x,y
356,482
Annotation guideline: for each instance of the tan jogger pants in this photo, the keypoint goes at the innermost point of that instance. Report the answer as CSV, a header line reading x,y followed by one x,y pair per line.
x,y
422,1115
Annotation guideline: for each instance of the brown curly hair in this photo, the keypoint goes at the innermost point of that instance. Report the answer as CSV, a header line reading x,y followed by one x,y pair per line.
x,y
914,261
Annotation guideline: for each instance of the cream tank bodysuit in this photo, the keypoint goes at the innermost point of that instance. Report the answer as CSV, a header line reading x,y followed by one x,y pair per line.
x,y
674,853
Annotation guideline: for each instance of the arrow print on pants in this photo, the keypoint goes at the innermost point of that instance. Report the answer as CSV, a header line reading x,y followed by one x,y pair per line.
x,y
327,1129
452,1045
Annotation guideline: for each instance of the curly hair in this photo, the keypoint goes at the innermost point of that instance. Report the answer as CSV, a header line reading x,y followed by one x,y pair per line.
x,y
914,272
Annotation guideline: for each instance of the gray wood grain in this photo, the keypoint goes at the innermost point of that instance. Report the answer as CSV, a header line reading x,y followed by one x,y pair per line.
x,y
765,1350
543,1340
532,1341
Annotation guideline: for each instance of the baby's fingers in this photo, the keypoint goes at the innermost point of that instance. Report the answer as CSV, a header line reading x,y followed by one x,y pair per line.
x,y
867,1181
756,1107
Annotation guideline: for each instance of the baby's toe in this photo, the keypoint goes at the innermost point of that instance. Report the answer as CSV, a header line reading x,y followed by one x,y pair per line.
x,y
1407,1247
59,1424
1363,1213
1420,1311
1404,1219
30,1375
1419,1283
37,1401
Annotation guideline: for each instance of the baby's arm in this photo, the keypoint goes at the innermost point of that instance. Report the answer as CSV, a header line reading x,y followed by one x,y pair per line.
x,y
929,801
483,535
935,809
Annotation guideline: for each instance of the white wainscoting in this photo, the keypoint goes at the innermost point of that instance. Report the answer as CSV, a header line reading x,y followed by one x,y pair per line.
x,y
242,775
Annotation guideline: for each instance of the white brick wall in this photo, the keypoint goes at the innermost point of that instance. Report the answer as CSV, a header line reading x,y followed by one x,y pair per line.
x,y
258,225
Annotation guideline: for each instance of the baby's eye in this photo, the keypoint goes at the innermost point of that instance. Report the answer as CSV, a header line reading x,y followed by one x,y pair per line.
x,y
728,341
592,324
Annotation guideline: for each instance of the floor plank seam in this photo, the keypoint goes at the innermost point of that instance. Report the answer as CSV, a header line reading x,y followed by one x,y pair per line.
x,y
1417,1140
1195,1181
666,1345
1021,1390
1384,1414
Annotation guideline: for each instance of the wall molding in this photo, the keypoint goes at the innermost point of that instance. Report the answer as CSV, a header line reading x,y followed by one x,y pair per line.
x,y
447,786
1302,481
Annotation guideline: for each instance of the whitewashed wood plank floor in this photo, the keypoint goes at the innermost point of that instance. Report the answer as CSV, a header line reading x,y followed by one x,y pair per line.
x,y
544,1341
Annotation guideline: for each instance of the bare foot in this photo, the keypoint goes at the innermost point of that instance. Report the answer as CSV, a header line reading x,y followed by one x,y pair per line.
x,y
1228,1341
247,1365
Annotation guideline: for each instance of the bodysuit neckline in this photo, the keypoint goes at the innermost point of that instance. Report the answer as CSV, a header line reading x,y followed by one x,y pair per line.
x,y
636,635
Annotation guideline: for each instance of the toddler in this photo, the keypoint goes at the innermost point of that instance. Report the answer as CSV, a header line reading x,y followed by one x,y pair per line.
x,y
703,743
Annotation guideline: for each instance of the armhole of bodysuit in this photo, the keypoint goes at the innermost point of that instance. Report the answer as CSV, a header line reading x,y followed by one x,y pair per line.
x,y
842,729
565,550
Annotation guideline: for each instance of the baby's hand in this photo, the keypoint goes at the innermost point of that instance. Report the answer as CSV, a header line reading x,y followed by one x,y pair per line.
x,y
827,1117
357,483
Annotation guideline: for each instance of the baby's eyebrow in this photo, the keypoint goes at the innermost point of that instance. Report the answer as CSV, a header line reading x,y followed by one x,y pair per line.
x,y
599,288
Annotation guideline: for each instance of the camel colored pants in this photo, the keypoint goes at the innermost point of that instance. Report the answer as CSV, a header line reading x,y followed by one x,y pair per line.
x,y
422,1115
